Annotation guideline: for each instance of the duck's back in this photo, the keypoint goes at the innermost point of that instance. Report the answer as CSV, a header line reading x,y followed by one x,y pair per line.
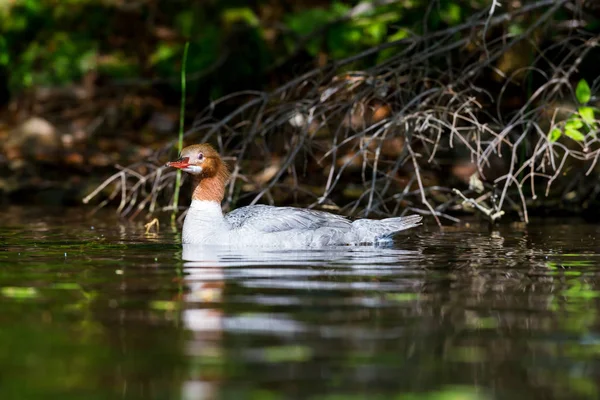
x,y
287,226
266,219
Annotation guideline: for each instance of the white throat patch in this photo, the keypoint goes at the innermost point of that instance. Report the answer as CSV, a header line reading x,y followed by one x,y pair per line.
x,y
192,169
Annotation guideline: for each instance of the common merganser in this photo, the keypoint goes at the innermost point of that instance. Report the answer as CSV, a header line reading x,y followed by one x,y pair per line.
x,y
263,225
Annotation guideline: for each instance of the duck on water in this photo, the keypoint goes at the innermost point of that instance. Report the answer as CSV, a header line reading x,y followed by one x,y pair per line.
x,y
263,225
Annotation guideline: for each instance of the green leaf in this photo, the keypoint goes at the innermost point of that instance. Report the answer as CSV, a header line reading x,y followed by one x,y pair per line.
x,y
452,15
574,123
587,114
402,33
163,52
376,32
575,134
554,135
583,92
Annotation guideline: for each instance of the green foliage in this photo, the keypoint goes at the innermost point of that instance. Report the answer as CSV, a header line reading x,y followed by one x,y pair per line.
x,y
587,115
345,36
554,135
232,44
581,122
39,52
572,129
452,13
583,92
305,22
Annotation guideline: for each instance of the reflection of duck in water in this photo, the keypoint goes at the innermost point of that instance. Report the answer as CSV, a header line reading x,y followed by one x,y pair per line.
x,y
267,226
208,268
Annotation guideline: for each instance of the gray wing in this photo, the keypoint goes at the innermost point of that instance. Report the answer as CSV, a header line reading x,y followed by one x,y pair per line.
x,y
265,218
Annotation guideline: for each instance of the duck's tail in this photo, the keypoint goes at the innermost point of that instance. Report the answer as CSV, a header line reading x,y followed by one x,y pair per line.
x,y
376,231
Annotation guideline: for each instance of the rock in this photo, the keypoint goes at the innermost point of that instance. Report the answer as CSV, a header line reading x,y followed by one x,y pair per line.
x,y
35,139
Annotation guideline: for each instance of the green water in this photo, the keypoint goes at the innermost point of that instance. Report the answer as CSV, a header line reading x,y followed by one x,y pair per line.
x,y
92,307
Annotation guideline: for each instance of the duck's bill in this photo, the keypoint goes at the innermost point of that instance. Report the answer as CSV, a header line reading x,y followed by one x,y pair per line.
x,y
182,163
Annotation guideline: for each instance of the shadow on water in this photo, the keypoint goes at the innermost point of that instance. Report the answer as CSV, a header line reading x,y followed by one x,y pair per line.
x,y
93,307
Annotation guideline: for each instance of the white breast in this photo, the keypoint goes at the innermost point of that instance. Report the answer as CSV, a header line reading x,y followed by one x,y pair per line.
x,y
204,223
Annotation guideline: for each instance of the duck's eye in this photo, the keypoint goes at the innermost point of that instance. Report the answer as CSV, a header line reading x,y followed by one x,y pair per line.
x,y
200,156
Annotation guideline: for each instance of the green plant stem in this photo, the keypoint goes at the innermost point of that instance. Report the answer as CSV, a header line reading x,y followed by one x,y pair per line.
x,y
181,122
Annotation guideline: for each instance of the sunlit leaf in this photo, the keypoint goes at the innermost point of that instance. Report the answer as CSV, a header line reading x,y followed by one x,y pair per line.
x,y
376,32
164,51
575,134
583,92
452,14
554,135
587,114
401,34
574,123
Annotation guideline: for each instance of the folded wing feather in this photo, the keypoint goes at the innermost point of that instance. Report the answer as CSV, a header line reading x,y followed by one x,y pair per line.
x,y
269,219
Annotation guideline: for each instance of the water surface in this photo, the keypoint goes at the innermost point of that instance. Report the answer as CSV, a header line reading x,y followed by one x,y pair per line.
x,y
92,307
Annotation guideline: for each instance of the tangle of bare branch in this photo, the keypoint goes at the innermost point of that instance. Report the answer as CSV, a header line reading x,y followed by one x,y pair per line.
x,y
376,141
